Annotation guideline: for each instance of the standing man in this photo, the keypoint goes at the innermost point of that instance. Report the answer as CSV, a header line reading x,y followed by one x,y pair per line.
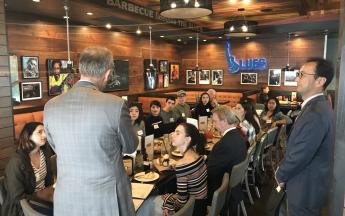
x,y
89,131
227,152
307,167
182,109
213,97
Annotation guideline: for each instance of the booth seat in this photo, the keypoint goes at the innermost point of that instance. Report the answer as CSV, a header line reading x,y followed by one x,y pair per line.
x,y
21,119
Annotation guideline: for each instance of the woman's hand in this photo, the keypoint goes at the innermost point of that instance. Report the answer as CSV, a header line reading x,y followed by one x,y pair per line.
x,y
167,212
46,194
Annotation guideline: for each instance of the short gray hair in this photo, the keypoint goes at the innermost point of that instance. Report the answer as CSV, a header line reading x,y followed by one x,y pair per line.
x,y
95,61
224,112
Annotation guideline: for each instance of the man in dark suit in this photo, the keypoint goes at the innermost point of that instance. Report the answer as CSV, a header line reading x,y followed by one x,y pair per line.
x,y
307,167
229,151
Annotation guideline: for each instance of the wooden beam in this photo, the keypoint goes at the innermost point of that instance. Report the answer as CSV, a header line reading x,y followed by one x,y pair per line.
x,y
338,187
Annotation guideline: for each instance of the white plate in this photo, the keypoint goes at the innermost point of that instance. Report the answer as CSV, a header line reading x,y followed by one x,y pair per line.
x,y
148,177
176,153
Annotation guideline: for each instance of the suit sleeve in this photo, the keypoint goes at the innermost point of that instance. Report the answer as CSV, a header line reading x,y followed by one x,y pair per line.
x,y
303,146
127,136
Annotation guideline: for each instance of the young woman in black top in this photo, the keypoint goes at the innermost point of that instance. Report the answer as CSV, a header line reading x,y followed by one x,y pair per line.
x,y
204,106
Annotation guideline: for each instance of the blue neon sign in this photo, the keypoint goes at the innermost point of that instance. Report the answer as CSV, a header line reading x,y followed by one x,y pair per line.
x,y
251,64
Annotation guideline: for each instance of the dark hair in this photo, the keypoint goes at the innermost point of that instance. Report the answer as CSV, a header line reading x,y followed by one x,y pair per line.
x,y
170,97
56,62
204,93
140,117
323,68
197,139
156,103
277,109
248,106
24,142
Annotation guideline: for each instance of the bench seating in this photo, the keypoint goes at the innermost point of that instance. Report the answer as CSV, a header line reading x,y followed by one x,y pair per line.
x,y
21,119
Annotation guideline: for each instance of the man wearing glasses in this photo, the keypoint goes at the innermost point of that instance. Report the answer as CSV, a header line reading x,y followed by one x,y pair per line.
x,y
306,169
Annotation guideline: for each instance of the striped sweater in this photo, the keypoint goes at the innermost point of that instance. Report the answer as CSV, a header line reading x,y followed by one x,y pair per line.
x,y
191,180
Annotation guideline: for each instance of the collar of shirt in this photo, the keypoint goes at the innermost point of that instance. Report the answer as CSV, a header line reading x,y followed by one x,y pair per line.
x,y
229,129
309,99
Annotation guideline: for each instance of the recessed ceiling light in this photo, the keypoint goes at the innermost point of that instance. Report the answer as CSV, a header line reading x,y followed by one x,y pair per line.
x,y
179,40
138,31
190,37
220,37
89,13
296,35
173,5
36,0
108,26
233,1
162,36
246,1
66,17
196,4
247,38
204,40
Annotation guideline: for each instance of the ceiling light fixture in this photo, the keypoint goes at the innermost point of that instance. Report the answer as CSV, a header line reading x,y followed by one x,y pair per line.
x,y
89,13
37,1
197,53
179,40
185,9
204,40
190,37
162,36
240,28
108,26
138,31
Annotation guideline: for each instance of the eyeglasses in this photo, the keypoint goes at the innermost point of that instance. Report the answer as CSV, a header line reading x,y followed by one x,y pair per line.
x,y
301,74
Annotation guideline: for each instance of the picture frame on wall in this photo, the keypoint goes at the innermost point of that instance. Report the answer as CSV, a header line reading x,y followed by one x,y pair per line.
x,y
160,80
60,76
118,79
190,77
290,78
163,66
165,80
274,77
30,67
174,73
31,91
217,77
150,74
204,77
15,87
249,78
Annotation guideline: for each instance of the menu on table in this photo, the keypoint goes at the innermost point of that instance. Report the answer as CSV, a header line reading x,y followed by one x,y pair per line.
x,y
140,190
193,122
149,147
203,123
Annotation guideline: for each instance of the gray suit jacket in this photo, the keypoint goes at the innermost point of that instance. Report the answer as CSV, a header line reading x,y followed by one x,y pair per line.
x,y
89,130
307,166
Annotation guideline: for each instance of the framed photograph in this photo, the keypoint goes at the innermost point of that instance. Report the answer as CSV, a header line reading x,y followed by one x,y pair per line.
x,y
160,80
204,77
174,72
274,77
30,67
31,90
163,66
14,79
249,78
118,79
190,77
217,77
60,76
290,78
166,80
150,74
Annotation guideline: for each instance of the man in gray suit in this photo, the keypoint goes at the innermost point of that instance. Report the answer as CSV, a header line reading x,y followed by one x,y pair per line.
x,y
89,131
307,167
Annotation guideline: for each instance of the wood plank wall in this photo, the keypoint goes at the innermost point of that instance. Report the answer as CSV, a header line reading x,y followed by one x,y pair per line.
x,y
6,117
47,39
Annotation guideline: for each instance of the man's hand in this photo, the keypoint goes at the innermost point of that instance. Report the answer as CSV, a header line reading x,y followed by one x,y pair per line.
x,y
280,184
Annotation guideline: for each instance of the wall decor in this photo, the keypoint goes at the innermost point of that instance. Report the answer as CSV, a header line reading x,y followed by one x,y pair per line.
x,y
163,66
31,90
30,66
60,76
166,80
150,74
118,79
160,80
217,77
249,78
174,73
290,78
190,77
14,79
204,77
274,77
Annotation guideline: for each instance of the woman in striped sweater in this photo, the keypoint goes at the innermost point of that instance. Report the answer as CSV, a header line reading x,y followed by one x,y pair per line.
x,y
191,174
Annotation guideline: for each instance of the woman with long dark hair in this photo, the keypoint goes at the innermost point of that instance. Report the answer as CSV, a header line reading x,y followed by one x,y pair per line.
x,y
204,107
28,173
136,114
272,116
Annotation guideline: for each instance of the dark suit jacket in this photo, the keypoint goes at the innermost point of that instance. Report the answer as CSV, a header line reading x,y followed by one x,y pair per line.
x,y
306,168
229,151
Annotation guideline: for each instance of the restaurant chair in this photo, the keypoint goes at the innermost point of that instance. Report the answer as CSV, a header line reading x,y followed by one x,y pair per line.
x,y
187,209
2,190
219,197
271,136
250,157
27,209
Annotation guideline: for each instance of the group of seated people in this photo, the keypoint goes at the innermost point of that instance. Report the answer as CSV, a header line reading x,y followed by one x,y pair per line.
x,y
28,173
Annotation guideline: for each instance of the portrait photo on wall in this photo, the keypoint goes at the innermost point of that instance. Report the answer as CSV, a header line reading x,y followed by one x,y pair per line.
x,y
204,77
274,77
163,66
190,77
166,80
174,73
118,79
150,74
31,90
60,76
30,66
217,77
160,80
290,78
15,88
249,78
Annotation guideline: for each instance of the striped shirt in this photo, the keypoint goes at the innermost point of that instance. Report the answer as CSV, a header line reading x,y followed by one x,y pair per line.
x,y
191,180
40,173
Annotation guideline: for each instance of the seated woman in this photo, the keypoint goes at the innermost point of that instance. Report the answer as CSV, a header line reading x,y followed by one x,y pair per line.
x,y
136,114
272,116
204,107
28,173
154,122
191,176
249,122
264,95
